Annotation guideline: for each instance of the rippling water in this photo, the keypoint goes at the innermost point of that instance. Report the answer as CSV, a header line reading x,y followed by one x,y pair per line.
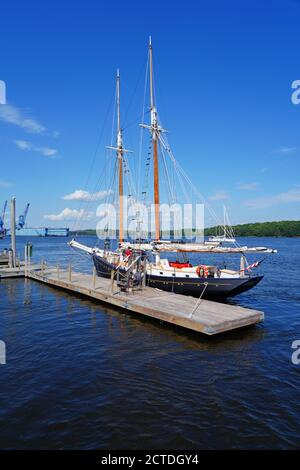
x,y
80,375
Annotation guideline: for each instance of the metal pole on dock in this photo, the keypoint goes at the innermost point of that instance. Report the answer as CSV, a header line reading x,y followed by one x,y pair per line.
x,y
144,272
70,272
57,271
13,230
29,248
112,278
10,261
25,260
94,277
242,266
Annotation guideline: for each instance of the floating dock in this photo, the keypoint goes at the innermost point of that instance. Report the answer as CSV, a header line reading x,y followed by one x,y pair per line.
x,y
19,271
199,315
6,273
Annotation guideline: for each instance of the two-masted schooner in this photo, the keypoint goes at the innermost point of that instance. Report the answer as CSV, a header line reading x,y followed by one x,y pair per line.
x,y
180,277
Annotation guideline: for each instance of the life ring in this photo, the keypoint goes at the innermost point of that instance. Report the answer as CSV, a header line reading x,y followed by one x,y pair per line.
x,y
202,271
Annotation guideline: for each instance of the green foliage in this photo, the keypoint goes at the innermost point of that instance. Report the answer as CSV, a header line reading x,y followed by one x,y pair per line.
x,y
284,228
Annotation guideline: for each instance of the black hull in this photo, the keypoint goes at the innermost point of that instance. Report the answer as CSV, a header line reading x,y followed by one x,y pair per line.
x,y
217,288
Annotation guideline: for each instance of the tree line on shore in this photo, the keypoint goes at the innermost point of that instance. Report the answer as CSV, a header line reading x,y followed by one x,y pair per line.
x,y
283,228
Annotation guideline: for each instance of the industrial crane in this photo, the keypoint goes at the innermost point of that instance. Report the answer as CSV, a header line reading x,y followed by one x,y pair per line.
x,y
19,223
2,221
22,218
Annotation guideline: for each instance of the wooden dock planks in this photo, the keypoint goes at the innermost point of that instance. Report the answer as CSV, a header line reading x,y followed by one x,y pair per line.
x,y
209,317
6,272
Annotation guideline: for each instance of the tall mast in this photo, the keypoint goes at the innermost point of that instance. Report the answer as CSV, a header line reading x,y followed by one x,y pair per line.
x,y
120,162
120,152
154,131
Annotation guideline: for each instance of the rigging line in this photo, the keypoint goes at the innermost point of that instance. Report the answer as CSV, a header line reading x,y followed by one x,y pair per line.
x,y
96,150
212,212
229,226
173,198
138,173
179,176
106,198
137,119
183,186
113,120
134,92
128,178
185,176
111,193
90,202
146,178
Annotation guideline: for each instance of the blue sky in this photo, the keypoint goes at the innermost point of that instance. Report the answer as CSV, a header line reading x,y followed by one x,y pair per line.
x,y
223,75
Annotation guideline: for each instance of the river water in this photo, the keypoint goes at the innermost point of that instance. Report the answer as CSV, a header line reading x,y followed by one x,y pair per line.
x,y
81,375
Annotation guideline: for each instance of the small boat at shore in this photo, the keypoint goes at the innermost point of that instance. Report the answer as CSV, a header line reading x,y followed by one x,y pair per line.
x,y
227,236
178,276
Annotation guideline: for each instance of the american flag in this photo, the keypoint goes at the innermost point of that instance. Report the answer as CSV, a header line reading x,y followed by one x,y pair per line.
x,y
254,265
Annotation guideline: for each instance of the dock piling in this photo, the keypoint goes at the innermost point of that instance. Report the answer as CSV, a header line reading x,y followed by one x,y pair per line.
x,y
13,230
112,279
25,261
94,277
144,273
70,272
10,259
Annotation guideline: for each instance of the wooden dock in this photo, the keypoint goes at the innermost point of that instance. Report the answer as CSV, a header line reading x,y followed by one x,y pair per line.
x,y
19,271
202,315
6,272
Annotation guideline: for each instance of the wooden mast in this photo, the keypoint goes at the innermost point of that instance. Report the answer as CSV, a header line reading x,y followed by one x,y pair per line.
x,y
120,161
120,152
154,131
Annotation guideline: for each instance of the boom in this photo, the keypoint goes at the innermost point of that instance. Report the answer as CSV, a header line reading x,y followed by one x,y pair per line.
x,y
22,218
2,220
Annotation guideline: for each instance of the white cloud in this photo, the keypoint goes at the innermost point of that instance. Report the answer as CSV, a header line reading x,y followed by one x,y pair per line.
x,y
70,214
47,151
248,186
81,195
13,115
219,196
25,145
5,184
293,195
286,150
